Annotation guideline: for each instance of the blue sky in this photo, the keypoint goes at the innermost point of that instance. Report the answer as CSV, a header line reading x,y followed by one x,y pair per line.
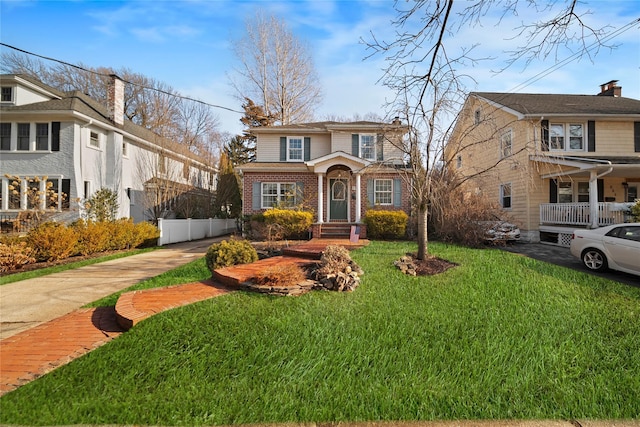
x,y
187,45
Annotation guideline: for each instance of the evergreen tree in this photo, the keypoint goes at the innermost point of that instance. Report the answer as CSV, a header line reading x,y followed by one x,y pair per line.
x,y
228,201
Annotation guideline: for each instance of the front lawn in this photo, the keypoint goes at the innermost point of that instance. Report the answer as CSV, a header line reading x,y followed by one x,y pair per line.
x,y
499,336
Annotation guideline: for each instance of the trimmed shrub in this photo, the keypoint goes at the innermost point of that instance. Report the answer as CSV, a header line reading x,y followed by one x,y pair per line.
x,y
122,234
14,255
92,236
287,223
230,252
281,275
382,224
52,241
635,210
145,235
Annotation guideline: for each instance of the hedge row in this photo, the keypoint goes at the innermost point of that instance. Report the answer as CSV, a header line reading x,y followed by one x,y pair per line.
x,y
53,241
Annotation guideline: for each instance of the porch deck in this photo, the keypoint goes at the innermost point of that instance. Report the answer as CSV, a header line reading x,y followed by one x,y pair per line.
x,y
579,214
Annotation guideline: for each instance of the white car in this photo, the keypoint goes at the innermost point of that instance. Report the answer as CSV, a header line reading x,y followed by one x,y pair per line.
x,y
614,246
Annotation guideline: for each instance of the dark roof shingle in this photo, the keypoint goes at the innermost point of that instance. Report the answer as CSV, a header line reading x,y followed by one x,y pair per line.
x,y
541,104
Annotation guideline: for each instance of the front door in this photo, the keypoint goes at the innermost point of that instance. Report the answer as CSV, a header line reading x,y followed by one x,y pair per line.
x,y
338,199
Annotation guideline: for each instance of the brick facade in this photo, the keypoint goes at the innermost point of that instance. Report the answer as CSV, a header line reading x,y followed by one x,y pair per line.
x,y
310,191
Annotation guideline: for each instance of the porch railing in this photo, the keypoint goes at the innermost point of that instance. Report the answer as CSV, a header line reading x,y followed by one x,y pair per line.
x,y
579,213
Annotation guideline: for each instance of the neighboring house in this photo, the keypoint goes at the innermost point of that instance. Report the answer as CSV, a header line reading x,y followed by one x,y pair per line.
x,y
337,170
82,146
554,162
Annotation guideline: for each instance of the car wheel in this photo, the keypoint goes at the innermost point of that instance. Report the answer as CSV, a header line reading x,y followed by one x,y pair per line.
x,y
594,259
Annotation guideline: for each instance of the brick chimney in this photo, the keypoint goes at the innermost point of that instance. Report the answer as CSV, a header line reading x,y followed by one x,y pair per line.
x,y
115,100
610,89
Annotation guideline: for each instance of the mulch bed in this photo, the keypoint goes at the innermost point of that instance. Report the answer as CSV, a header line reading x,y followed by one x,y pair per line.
x,y
431,265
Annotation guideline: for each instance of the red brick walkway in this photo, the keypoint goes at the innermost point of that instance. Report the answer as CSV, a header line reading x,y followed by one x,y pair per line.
x,y
32,353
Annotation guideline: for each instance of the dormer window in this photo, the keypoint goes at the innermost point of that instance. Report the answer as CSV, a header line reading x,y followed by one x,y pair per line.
x,y
7,94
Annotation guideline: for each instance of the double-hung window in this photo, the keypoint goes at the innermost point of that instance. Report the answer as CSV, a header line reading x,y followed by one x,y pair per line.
x,y
576,137
556,137
7,94
383,191
42,136
560,133
24,136
5,136
295,148
94,139
278,193
506,144
505,196
368,147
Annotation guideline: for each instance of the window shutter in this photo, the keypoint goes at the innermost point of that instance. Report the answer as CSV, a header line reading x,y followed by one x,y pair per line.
x,y
256,196
66,193
591,135
299,192
545,136
553,191
55,136
379,147
601,190
397,192
355,145
307,148
370,194
283,148
636,136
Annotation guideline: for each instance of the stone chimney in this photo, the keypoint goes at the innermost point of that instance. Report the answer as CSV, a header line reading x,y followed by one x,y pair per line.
x,y
115,100
610,89
396,121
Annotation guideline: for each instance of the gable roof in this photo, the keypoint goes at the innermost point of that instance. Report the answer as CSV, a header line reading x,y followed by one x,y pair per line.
x,y
78,102
538,104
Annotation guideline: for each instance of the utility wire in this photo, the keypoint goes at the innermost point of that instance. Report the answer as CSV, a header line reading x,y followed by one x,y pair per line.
x,y
125,81
575,56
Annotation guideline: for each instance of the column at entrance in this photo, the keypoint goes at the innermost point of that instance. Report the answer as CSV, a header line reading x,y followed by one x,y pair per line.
x,y
358,201
320,199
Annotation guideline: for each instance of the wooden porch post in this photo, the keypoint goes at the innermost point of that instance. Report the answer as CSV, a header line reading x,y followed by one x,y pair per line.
x,y
593,199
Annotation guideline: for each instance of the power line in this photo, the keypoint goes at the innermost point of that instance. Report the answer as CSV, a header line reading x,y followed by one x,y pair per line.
x,y
575,56
125,81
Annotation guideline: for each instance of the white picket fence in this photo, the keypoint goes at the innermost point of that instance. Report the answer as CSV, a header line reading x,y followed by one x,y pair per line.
x,y
185,230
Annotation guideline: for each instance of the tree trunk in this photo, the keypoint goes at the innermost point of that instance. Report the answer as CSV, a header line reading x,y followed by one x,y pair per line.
x,y
422,233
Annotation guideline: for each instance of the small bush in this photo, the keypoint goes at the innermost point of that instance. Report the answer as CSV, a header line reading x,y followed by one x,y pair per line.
x,y
122,234
288,223
382,224
92,236
52,241
230,252
281,275
635,211
15,255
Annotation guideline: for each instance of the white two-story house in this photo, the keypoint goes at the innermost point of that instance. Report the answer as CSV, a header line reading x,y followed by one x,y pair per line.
x,y
81,146
336,170
553,162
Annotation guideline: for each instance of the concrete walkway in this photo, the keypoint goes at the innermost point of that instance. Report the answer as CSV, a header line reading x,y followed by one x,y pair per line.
x,y
29,303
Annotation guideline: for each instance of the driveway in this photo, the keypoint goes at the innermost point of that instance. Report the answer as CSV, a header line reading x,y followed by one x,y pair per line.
x,y
559,255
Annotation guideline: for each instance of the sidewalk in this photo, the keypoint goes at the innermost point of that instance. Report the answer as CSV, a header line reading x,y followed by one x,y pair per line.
x,y
29,303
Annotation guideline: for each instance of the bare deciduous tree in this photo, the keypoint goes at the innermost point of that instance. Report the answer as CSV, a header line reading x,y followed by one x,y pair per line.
x,y
429,86
277,70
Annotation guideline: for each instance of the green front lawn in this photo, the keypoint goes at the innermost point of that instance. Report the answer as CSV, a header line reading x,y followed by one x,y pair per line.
x,y
499,336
